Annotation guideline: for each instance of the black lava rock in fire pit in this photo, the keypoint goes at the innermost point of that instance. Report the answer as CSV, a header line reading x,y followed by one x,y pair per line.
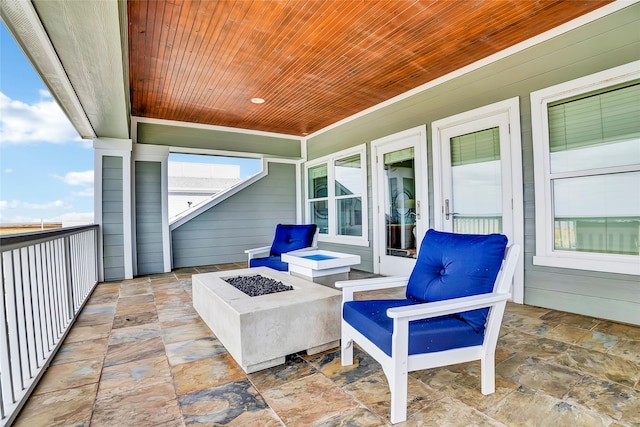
x,y
257,285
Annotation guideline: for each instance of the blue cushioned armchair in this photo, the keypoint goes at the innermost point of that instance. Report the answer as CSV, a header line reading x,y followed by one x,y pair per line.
x,y
455,300
288,237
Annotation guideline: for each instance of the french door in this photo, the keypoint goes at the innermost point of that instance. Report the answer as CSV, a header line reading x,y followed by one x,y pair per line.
x,y
478,175
400,200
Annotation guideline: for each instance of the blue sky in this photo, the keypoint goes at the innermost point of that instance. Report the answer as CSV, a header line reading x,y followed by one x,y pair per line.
x,y
46,170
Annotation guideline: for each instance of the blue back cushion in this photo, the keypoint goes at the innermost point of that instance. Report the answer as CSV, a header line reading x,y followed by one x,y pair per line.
x,y
452,265
290,237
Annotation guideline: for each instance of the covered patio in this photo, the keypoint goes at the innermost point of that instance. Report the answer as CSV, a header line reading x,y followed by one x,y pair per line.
x,y
360,114
139,355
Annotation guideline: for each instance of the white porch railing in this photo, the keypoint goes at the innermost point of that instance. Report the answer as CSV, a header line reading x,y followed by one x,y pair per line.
x,y
46,279
609,235
477,224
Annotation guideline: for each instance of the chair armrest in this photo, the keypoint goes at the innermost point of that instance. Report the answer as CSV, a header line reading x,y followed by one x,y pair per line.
x,y
450,306
373,284
349,287
298,251
255,251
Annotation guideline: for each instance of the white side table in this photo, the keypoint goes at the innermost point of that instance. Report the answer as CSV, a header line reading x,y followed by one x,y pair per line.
x,y
320,266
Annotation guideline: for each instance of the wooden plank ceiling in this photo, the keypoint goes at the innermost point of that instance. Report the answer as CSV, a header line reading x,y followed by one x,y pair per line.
x,y
313,62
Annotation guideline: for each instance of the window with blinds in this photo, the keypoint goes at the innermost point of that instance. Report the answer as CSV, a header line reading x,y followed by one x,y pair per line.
x,y
594,165
586,160
595,131
476,147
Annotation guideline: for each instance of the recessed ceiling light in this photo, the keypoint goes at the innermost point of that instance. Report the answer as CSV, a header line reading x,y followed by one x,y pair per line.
x,y
257,100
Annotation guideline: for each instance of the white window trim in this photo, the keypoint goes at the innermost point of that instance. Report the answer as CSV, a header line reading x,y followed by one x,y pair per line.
x,y
329,160
546,255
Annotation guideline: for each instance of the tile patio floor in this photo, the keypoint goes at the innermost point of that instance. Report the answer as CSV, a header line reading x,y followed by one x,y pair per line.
x,y
139,355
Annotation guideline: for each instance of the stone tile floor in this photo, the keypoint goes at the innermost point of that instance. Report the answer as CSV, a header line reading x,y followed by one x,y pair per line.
x,y
138,355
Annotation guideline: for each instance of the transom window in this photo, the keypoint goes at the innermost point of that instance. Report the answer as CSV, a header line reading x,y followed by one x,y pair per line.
x,y
587,164
336,196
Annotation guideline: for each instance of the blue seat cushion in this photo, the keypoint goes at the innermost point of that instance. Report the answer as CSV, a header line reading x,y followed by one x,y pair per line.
x,y
452,265
291,237
369,317
272,262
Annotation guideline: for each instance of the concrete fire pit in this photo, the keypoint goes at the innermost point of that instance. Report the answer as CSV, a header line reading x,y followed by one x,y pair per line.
x,y
260,331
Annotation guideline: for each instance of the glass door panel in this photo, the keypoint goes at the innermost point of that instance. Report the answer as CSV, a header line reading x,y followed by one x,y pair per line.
x,y
400,186
400,203
475,206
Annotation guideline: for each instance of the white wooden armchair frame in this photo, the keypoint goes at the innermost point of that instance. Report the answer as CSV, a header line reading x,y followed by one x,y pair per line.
x,y
397,367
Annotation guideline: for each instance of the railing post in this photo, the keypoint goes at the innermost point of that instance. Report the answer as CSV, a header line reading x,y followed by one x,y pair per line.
x,y
96,244
6,389
69,276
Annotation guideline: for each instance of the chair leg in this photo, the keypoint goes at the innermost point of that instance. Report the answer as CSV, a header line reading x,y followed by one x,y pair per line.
x,y
488,374
346,353
398,387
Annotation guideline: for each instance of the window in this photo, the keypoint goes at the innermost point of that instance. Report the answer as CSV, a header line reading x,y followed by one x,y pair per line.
x,y
318,195
336,196
586,140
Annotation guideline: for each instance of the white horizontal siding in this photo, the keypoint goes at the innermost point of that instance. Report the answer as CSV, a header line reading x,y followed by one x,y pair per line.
x,y
112,217
148,197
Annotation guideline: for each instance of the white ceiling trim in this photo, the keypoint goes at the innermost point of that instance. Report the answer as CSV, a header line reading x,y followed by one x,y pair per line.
x,y
213,152
136,119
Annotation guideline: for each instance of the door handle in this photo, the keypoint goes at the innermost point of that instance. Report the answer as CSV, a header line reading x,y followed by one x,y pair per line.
x,y
447,212
417,209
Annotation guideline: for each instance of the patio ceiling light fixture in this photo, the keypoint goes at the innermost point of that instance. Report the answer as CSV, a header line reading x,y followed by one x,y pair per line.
x,y
257,100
